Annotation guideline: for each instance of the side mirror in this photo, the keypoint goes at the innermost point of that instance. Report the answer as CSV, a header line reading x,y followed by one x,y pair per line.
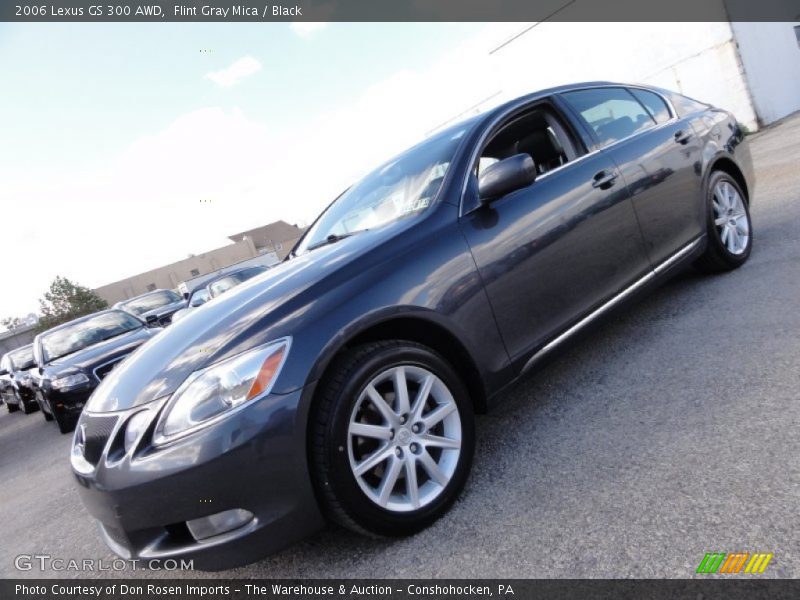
x,y
185,295
505,176
152,321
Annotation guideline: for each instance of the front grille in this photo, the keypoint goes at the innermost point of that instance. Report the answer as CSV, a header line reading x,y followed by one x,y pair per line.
x,y
103,370
95,435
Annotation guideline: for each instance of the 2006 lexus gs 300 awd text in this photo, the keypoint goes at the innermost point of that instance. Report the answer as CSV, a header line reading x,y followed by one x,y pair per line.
x,y
342,384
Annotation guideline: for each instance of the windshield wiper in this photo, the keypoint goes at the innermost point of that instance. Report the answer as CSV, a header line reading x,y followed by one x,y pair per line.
x,y
333,238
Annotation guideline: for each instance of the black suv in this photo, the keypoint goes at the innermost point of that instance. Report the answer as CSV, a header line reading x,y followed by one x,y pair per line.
x,y
74,357
15,380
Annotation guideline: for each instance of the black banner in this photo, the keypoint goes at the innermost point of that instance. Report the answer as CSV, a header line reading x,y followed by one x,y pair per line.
x,y
344,589
398,10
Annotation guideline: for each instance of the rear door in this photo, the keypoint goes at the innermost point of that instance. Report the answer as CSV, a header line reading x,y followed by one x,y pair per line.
x,y
658,155
551,252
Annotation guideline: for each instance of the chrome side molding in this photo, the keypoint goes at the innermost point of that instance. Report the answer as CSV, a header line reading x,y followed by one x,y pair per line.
x,y
659,269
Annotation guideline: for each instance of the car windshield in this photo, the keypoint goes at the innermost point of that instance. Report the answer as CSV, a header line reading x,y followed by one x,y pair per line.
x,y
83,334
404,186
223,285
139,306
21,359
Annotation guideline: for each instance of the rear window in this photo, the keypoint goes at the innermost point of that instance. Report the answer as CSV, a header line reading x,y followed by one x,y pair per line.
x,y
685,105
613,113
654,104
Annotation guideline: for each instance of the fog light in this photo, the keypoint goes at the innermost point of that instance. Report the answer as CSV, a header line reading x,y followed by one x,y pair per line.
x,y
221,522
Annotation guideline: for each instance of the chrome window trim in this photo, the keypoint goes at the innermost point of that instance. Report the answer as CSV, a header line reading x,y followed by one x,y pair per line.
x,y
475,155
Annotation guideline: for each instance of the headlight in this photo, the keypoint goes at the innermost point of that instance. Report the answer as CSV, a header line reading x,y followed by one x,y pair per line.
x,y
134,428
212,393
69,381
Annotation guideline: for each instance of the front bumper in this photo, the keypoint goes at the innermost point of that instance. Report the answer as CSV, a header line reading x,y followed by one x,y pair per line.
x,y
68,404
254,460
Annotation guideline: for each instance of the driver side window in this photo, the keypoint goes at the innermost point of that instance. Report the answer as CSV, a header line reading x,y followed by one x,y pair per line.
x,y
538,133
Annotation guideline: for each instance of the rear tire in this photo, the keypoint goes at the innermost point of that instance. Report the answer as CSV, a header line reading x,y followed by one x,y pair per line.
x,y
728,226
419,441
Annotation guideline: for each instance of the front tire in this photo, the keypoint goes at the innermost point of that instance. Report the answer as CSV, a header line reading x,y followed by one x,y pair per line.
x,y
65,425
12,407
392,438
729,228
44,407
27,406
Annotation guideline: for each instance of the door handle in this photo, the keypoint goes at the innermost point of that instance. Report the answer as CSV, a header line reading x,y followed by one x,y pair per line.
x,y
682,137
604,179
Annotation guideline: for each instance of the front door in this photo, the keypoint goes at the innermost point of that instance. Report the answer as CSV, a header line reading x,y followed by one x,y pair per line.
x,y
550,253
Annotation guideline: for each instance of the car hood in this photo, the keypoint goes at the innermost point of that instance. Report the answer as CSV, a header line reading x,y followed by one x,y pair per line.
x,y
248,315
89,358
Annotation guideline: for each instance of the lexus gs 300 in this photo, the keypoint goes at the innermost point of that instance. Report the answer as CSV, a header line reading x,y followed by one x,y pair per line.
x,y
341,385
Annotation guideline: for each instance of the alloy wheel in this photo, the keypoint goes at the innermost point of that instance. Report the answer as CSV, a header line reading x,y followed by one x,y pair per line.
x,y
404,438
730,218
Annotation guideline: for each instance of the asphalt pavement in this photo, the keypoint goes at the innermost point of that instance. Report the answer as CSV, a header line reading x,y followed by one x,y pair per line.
x,y
669,432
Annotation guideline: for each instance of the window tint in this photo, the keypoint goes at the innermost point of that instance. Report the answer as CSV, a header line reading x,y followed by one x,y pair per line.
x,y
613,113
538,133
654,104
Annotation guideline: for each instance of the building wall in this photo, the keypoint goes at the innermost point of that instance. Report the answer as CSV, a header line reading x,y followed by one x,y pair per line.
x,y
696,59
770,53
263,245
171,276
278,237
16,338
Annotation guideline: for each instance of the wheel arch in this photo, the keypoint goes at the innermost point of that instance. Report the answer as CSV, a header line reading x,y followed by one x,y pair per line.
x,y
422,330
728,165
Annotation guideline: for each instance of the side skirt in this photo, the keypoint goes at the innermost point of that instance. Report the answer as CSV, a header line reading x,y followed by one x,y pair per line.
x,y
686,253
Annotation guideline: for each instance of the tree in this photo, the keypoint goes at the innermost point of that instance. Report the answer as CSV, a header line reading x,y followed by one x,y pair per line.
x,y
66,301
12,322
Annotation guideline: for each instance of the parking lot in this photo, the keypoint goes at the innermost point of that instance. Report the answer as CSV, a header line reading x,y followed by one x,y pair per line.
x,y
670,432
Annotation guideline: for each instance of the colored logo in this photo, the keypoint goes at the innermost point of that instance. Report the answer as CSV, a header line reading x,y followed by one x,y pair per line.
x,y
737,562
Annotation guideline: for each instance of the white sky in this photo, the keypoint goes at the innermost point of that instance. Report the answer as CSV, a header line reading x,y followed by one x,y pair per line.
x,y
126,147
